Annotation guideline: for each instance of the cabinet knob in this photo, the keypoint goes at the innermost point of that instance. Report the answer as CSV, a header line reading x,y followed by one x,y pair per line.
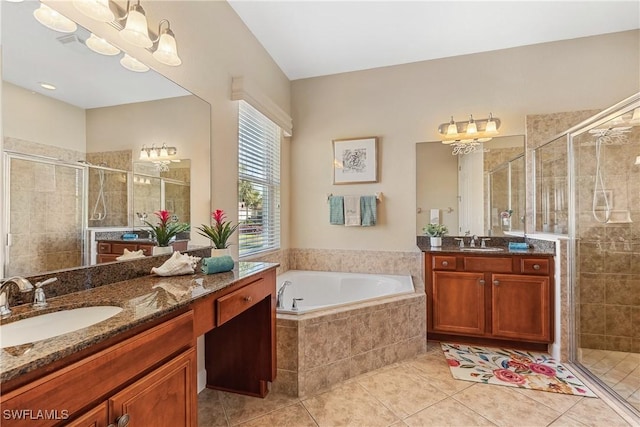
x,y
496,282
248,299
445,263
481,281
536,266
122,421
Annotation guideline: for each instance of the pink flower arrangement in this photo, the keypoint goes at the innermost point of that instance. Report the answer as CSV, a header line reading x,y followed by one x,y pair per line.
x,y
166,230
220,231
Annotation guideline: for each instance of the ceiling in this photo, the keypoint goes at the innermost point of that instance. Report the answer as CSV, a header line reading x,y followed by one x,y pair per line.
x,y
309,38
32,53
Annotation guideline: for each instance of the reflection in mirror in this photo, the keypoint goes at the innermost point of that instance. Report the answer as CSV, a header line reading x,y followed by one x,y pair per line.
x,y
480,193
69,152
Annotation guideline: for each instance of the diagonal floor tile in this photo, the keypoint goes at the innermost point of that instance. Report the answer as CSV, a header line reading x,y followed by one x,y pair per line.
x,y
402,391
240,408
594,412
448,412
556,401
505,406
436,370
291,416
210,410
348,405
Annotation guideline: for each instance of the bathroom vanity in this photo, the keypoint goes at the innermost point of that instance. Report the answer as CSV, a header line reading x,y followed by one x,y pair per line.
x,y
139,366
501,297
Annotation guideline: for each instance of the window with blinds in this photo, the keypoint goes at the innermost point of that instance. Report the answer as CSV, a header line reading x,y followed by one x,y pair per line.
x,y
259,181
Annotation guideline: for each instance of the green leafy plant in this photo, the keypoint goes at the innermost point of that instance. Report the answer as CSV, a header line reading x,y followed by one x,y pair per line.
x,y
435,230
220,231
166,230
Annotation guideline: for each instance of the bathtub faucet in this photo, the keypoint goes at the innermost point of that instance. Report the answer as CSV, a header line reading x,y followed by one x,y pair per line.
x,y
279,299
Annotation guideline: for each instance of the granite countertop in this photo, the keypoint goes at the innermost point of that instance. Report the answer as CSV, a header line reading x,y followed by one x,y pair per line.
x,y
142,300
143,240
451,246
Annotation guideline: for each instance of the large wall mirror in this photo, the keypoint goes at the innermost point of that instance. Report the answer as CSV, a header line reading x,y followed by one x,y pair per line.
x,y
480,193
71,154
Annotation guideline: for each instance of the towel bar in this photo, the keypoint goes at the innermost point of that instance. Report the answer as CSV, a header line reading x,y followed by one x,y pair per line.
x,y
378,196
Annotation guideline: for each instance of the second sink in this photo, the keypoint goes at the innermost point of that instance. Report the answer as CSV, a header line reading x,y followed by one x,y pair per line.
x,y
51,325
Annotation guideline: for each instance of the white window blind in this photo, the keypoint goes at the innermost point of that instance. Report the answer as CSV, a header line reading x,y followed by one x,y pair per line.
x,y
259,181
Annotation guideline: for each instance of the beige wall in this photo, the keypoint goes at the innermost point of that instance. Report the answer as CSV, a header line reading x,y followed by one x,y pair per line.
x,y
37,118
215,46
405,104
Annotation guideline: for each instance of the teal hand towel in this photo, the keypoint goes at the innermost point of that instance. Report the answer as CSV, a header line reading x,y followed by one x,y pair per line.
x,y
336,210
217,264
368,210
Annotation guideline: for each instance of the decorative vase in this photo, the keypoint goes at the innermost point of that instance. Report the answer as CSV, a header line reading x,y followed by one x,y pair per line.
x,y
162,250
506,224
436,242
219,252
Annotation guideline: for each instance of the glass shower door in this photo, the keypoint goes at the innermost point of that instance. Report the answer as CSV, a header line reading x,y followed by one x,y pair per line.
x,y
605,239
45,207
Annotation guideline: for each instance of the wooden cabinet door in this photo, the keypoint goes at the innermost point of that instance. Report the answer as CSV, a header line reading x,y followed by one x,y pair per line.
x,y
521,307
96,417
165,397
458,302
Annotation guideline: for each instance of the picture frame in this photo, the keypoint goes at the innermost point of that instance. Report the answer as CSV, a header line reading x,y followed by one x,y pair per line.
x,y
355,160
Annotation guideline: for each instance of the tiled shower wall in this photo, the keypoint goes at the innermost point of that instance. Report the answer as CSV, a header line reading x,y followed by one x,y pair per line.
x,y
114,189
609,253
45,212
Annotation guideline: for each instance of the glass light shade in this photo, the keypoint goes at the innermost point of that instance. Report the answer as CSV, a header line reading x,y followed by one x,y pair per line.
x,y
167,51
132,64
164,152
635,119
52,19
491,126
153,154
95,9
452,130
136,31
101,46
637,160
143,154
472,128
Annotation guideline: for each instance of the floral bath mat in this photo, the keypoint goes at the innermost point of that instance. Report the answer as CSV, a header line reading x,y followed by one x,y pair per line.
x,y
513,368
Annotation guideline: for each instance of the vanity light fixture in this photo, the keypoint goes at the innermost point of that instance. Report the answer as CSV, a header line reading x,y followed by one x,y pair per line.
x,y
95,9
52,19
155,152
132,64
136,30
101,46
468,136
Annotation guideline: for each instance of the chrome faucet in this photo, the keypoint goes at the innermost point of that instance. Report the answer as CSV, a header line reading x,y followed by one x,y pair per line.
x,y
39,297
279,299
23,285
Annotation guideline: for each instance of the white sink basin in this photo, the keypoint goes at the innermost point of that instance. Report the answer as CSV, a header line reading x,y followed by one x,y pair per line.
x,y
51,325
494,249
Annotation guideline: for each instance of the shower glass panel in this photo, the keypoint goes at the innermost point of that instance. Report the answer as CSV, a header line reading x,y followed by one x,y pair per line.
x,y
46,215
605,239
108,197
518,195
147,192
177,200
499,200
552,202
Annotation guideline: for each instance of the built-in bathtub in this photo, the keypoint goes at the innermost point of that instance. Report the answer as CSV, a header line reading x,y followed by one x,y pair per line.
x,y
332,338
320,290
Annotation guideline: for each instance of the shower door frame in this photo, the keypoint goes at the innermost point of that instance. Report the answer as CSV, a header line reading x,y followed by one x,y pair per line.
x,y
14,155
606,115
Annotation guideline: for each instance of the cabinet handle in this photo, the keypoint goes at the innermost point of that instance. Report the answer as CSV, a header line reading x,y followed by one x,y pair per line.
x,y
481,281
445,263
536,266
122,421
248,299
496,282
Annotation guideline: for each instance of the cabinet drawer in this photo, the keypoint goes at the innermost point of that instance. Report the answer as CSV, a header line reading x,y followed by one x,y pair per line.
x,y
104,248
238,301
442,262
147,250
535,266
118,248
493,264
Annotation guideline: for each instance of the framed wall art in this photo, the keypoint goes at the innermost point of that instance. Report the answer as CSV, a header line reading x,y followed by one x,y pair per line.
x,y
355,161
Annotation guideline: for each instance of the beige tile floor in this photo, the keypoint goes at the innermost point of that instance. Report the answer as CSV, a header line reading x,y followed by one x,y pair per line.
x,y
619,370
417,392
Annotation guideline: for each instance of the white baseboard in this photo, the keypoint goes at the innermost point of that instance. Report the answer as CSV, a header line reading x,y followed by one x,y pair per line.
x,y
202,380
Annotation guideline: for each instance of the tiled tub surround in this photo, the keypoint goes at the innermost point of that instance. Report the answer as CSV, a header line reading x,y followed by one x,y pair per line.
x,y
142,299
320,349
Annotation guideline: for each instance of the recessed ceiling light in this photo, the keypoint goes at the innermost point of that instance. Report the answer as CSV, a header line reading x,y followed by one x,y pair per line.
x,y
48,86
